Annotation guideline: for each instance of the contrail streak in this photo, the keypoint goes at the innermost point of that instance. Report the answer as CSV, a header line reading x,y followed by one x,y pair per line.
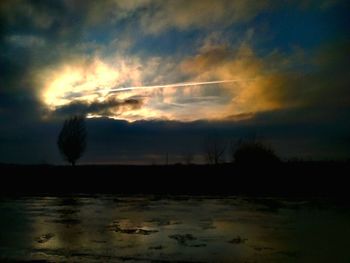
x,y
183,84
71,95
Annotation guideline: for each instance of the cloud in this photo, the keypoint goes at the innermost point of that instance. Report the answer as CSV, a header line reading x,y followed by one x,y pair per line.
x,y
183,15
108,108
19,12
268,82
277,80
255,88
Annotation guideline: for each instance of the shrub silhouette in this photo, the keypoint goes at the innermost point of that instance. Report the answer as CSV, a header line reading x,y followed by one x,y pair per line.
x,y
254,152
72,139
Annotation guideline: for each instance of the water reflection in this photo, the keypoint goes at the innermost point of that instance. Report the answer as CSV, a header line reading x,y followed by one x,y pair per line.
x,y
117,228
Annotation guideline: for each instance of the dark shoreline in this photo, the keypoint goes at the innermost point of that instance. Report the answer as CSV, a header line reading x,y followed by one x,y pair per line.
x,y
297,179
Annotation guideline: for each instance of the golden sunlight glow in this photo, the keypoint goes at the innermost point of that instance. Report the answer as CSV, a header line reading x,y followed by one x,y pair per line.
x,y
232,88
60,85
77,82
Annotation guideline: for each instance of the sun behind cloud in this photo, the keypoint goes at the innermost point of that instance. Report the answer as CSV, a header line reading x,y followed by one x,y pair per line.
x,y
89,81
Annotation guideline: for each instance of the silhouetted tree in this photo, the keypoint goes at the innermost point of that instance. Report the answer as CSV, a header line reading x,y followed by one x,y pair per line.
x,y
254,152
72,139
214,150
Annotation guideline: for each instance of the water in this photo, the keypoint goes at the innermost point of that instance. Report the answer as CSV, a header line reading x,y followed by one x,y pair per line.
x,y
189,229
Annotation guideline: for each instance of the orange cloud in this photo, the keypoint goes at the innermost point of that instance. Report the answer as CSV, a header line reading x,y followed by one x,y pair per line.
x,y
255,91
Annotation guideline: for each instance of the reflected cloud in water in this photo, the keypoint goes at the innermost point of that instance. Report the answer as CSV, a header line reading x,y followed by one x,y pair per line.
x,y
115,228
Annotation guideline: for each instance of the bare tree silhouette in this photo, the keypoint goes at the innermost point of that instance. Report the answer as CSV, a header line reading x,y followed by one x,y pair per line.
x,y
72,139
214,150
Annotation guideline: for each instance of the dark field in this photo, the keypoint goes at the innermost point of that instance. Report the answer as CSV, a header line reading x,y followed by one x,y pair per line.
x,y
285,179
289,213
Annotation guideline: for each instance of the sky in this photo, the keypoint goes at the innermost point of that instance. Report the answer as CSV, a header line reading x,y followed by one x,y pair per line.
x,y
157,78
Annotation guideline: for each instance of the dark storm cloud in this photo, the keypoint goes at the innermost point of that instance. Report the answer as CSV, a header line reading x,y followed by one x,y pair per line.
x,y
299,133
292,133
103,108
